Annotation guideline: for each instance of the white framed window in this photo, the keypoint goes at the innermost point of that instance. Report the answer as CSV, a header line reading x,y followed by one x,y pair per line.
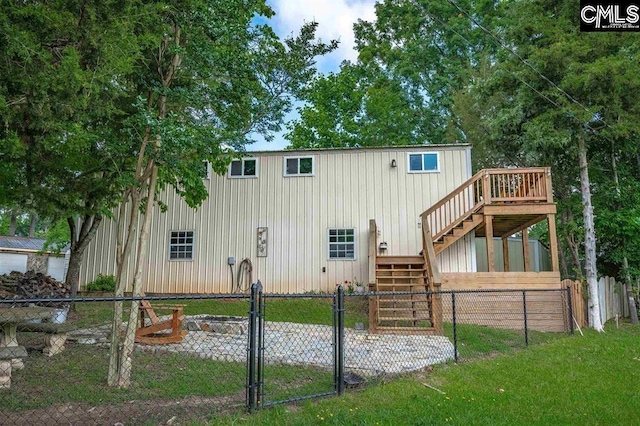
x,y
181,245
341,243
299,166
244,168
423,162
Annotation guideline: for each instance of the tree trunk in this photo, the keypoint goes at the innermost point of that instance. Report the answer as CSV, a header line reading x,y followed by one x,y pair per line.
x,y
79,242
589,238
125,362
563,261
14,224
32,225
633,312
127,225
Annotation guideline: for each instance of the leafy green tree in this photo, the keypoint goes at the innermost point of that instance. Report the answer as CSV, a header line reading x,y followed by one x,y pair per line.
x,y
412,61
108,103
357,106
563,92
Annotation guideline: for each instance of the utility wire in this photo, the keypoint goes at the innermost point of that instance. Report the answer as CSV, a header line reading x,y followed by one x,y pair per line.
x,y
524,61
551,101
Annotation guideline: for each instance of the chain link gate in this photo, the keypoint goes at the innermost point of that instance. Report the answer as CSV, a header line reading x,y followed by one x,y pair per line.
x,y
276,349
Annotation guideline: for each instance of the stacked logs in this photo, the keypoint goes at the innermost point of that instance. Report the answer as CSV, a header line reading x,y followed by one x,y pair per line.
x,y
31,285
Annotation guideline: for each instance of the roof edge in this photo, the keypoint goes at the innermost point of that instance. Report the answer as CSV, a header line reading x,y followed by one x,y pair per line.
x,y
364,148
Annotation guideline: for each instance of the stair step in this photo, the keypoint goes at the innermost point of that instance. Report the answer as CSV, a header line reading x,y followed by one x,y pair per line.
x,y
408,309
410,287
401,269
391,330
381,300
399,277
407,318
399,260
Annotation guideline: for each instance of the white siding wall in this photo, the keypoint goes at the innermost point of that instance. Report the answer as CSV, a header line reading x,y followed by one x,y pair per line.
x,y
349,188
56,267
12,262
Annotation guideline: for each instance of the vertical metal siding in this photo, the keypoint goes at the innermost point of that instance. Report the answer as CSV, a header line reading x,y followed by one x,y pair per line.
x,y
348,188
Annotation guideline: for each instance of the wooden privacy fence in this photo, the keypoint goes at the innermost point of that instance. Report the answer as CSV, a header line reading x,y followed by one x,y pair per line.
x,y
612,296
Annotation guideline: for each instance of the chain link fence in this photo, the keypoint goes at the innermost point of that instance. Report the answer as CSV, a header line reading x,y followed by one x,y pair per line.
x,y
197,356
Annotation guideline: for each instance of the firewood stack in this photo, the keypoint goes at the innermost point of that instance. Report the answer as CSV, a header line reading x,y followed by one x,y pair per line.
x,y
31,285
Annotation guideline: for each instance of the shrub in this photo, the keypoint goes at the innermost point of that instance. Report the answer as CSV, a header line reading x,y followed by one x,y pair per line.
x,y
102,283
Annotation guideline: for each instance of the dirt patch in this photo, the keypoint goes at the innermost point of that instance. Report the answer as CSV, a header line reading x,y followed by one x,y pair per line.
x,y
151,412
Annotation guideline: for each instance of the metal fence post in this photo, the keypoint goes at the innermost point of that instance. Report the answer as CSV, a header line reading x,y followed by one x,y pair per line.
x,y
455,328
335,341
251,349
340,340
524,308
570,303
262,303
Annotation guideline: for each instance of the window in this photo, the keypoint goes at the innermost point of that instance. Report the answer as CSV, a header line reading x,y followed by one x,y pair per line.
x,y
206,171
342,244
181,245
298,166
245,168
424,162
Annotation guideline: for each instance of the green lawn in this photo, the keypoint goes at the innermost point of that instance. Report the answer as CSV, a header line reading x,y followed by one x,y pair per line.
x,y
590,380
294,309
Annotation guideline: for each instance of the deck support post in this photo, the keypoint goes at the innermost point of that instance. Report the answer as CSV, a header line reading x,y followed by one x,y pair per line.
x,y
491,258
553,242
505,252
525,249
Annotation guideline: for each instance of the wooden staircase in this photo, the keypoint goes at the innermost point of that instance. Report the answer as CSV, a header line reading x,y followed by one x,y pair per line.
x,y
497,202
469,224
406,313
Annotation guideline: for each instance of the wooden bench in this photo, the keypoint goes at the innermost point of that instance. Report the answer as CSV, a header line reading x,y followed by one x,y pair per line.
x,y
7,354
55,335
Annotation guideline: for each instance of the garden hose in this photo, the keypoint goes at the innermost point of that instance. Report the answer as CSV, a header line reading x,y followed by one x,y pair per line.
x,y
245,267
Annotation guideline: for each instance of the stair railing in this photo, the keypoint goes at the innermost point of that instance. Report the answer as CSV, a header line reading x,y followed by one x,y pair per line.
x,y
488,186
450,211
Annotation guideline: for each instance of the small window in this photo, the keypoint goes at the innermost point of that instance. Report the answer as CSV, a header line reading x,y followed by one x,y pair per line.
x,y
424,162
298,166
342,244
245,168
181,245
206,170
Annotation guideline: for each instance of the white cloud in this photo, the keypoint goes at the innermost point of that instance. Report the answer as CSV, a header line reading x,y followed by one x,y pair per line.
x,y
335,18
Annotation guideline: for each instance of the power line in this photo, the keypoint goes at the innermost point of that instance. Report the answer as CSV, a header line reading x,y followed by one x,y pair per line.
x,y
551,101
524,61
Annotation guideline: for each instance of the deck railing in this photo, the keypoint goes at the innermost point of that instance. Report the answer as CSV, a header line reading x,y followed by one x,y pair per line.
x,y
488,186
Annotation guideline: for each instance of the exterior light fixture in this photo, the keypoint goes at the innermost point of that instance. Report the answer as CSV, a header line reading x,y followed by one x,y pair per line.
x,y
383,246
394,163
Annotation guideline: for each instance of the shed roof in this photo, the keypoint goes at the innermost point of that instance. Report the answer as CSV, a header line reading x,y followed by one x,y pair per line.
x,y
23,243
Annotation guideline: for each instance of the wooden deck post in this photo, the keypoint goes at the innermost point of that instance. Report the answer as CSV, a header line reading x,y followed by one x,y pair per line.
x,y
525,249
549,188
553,242
373,252
486,188
505,253
491,259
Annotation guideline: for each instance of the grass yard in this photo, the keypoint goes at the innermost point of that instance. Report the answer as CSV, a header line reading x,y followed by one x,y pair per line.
x,y
314,310
78,375
576,380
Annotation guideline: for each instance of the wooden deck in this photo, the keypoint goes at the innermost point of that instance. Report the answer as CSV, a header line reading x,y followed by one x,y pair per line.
x,y
494,202
500,280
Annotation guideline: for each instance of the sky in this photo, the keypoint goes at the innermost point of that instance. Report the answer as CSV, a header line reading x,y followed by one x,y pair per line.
x,y
335,19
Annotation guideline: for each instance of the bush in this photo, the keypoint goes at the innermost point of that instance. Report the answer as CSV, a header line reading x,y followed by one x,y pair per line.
x,y
102,283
